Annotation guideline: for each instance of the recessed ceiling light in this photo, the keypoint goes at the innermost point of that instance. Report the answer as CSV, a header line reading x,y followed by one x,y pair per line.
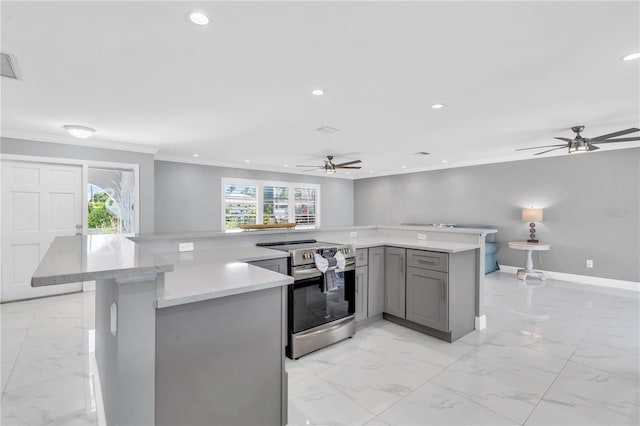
x,y
631,56
437,106
285,165
198,18
404,167
348,173
196,155
81,132
318,92
444,161
370,171
247,161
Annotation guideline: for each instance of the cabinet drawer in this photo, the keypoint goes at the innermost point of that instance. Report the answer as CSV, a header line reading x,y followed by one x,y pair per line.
x,y
362,257
431,260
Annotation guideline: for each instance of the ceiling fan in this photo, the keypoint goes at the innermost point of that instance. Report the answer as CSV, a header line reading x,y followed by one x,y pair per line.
x,y
580,144
329,167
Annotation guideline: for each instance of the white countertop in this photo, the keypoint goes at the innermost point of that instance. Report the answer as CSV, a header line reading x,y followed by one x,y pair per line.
x,y
210,274
439,246
87,258
193,276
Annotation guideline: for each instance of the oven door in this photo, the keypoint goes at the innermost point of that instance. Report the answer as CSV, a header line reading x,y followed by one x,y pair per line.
x,y
309,307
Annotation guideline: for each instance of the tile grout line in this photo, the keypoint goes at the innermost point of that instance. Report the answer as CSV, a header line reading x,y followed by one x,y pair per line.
x,y
19,351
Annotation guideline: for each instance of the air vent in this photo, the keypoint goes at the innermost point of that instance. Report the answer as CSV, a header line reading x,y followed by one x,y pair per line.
x,y
327,129
7,69
422,153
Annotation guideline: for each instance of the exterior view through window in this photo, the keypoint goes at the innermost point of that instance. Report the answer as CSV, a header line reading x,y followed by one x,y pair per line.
x,y
264,202
111,195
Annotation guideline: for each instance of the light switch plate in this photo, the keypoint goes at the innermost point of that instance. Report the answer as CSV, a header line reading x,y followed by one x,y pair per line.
x,y
185,246
589,263
422,236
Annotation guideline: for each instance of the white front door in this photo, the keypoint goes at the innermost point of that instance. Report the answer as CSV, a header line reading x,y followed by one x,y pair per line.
x,y
39,202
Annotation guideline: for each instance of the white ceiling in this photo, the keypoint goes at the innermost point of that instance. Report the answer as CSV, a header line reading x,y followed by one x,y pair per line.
x,y
512,75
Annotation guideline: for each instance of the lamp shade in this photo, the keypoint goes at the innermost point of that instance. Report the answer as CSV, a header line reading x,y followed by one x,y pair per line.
x,y
532,215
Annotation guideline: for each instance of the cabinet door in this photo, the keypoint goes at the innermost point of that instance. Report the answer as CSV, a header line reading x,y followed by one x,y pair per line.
x,y
376,281
394,282
362,283
428,298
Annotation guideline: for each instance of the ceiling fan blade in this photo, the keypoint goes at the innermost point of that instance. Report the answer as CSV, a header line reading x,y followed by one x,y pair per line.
x,y
613,135
309,166
538,147
615,140
593,147
348,167
562,139
348,163
549,150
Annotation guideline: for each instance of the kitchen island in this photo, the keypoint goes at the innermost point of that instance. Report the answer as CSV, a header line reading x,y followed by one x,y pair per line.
x,y
199,337
203,344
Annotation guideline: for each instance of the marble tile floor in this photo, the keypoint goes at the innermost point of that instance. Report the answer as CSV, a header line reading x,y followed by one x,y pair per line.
x,y
556,354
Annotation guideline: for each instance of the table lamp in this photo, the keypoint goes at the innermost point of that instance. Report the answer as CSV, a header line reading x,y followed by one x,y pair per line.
x,y
532,215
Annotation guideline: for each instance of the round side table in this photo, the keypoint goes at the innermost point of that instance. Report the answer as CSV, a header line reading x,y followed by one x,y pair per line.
x,y
528,270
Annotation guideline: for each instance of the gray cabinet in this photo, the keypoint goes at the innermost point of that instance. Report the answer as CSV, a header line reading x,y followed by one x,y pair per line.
x,y
375,291
394,273
362,284
428,298
276,265
362,257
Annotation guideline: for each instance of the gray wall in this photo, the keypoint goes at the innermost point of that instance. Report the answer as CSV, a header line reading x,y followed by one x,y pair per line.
x,y
188,196
591,207
145,161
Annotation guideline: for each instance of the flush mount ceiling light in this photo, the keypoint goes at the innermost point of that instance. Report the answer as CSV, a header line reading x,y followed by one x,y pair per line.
x,y
631,56
403,167
437,106
444,161
81,132
317,92
196,155
285,165
199,18
247,161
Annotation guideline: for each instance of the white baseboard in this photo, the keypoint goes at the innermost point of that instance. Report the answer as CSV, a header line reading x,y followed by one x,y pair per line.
x,y
481,322
581,279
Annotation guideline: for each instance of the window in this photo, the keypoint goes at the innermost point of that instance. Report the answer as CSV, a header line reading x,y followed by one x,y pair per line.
x,y
265,202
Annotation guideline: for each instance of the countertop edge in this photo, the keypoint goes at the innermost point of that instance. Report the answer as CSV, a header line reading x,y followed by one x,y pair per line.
x,y
178,301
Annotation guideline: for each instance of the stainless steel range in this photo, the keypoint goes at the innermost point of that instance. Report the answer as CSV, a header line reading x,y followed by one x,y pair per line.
x,y
318,318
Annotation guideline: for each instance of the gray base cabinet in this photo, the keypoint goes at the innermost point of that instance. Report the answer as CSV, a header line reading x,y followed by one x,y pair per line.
x,y
375,293
440,291
362,284
428,298
395,283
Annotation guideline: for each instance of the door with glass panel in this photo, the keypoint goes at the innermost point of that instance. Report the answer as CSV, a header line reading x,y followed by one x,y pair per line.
x,y
111,207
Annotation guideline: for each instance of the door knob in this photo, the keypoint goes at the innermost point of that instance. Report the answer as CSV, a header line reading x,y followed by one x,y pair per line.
x,y
78,226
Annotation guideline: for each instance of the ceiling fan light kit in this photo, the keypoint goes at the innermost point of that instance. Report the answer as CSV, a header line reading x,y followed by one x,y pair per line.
x,y
580,144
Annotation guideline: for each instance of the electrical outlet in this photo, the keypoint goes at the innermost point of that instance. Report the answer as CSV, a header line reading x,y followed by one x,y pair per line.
x,y
353,235
589,263
422,236
185,246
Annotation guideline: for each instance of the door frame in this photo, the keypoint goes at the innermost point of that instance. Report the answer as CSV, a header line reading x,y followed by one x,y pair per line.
x,y
87,285
85,178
